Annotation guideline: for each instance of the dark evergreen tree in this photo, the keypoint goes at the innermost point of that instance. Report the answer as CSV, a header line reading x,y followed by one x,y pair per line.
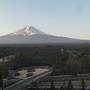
x,y
34,86
1,82
52,87
70,85
61,88
83,84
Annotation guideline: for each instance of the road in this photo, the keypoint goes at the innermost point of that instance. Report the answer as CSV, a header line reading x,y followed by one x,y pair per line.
x,y
28,80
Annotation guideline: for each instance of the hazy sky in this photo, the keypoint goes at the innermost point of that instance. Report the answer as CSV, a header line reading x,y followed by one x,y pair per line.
x,y
69,18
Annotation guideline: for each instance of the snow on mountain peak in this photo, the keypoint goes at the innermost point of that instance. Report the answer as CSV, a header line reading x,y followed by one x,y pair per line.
x,y
27,31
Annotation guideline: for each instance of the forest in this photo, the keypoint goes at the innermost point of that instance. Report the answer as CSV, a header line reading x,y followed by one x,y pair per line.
x,y
66,59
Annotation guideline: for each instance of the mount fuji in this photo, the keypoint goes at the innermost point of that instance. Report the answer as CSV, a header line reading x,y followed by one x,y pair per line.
x,y
27,31
31,35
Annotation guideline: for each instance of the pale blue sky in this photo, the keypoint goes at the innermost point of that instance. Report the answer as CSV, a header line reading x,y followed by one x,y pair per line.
x,y
69,18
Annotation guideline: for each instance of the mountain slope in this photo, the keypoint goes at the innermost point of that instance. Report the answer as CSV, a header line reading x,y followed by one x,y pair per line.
x,y
31,35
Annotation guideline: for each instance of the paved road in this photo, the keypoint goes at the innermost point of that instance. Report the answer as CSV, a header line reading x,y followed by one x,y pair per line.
x,y
28,80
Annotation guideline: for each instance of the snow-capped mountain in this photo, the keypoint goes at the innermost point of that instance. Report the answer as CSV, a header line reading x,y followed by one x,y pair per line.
x,y
31,35
27,31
